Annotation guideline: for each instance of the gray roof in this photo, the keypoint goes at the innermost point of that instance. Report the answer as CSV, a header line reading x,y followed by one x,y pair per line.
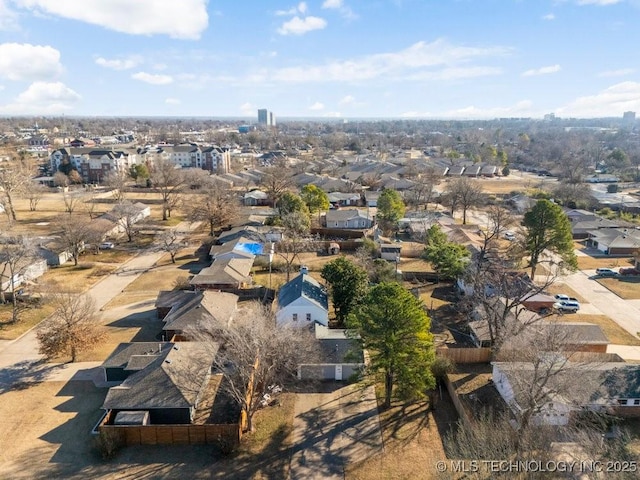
x,y
225,271
170,298
204,311
174,379
120,357
579,384
344,214
303,286
617,237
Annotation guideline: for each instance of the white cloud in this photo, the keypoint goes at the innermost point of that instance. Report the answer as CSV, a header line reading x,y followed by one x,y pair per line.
x,y
172,101
347,100
23,61
420,59
541,71
186,19
300,26
600,3
617,73
332,4
43,98
300,8
340,7
611,102
248,109
153,79
332,115
317,106
549,16
1,87
8,18
119,63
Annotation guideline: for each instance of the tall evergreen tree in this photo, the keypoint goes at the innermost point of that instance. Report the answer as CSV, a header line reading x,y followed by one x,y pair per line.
x,y
348,284
394,327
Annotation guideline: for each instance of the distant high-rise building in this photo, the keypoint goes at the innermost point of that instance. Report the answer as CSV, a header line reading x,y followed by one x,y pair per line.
x,y
263,116
272,119
629,117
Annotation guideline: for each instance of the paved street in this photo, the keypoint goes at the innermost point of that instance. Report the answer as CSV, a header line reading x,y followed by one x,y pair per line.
x,y
19,356
334,429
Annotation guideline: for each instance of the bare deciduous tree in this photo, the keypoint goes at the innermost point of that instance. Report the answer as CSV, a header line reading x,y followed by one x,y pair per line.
x,y
464,193
34,192
170,243
76,233
17,255
213,204
13,178
72,328
167,179
275,182
254,355
117,181
127,215
296,239
71,201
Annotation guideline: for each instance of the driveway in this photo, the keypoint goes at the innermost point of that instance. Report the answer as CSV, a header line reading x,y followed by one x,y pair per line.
x,y
625,313
19,355
334,429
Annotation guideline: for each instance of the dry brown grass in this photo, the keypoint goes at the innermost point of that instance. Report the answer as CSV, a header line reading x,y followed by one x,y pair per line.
x,y
129,298
614,332
627,288
156,279
77,278
28,319
591,263
412,437
431,296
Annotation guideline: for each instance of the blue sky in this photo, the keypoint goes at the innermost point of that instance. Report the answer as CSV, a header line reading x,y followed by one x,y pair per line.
x,y
320,58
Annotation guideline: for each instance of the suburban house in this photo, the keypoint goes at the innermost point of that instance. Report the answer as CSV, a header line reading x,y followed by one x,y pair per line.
x,y
53,252
351,218
371,198
239,248
344,199
256,198
302,301
167,299
200,312
615,241
612,387
227,274
28,270
163,381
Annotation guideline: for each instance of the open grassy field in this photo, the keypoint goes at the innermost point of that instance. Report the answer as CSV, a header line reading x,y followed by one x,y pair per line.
x,y
625,287
586,262
77,278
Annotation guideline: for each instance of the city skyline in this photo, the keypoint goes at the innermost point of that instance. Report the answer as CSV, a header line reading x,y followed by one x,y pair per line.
x,y
327,59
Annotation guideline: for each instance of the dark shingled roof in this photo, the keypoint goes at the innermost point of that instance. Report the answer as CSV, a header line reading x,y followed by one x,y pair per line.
x,y
175,379
303,286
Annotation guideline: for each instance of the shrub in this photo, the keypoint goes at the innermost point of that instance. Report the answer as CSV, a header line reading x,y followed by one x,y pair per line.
x,y
108,443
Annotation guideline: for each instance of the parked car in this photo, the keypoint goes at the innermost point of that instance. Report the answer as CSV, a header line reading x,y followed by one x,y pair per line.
x,y
561,296
509,236
106,245
569,306
606,272
629,271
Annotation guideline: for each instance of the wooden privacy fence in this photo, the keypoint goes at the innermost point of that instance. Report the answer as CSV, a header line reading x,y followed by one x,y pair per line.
x,y
465,355
217,434
462,413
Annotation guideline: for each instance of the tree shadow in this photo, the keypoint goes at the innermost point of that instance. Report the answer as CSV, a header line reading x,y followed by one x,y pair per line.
x,y
24,374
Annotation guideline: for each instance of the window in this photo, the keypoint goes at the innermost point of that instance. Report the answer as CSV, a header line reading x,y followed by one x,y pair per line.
x,y
622,401
295,317
308,317
636,401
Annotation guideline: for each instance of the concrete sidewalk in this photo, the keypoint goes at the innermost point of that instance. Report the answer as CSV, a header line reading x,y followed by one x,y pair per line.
x,y
332,430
